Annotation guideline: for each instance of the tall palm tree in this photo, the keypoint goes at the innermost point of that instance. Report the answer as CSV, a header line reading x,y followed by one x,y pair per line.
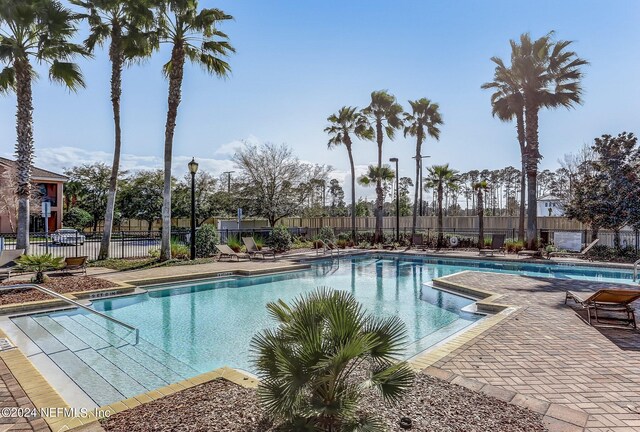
x,y
507,102
346,123
424,120
480,188
441,177
38,30
124,23
384,114
194,36
549,76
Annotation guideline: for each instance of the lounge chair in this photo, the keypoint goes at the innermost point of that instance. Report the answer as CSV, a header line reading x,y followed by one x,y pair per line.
x,y
75,264
610,300
582,253
497,245
252,248
417,241
7,261
227,252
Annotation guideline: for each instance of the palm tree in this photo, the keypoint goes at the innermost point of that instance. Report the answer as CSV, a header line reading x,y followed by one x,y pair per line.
x,y
34,30
439,178
424,120
480,188
507,103
384,113
194,36
308,365
375,175
549,76
123,22
347,123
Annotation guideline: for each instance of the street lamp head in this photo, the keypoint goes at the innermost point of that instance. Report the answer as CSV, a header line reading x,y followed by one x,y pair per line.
x,y
393,160
193,166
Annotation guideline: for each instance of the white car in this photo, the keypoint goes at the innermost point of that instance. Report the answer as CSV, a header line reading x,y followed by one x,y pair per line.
x,y
68,236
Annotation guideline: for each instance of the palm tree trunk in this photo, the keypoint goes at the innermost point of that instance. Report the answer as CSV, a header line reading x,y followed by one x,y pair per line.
x,y
523,173
480,220
175,85
353,188
532,158
117,60
417,183
440,222
379,191
24,149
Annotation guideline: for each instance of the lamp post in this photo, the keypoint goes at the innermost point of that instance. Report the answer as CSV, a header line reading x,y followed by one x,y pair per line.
x,y
421,201
193,169
394,159
228,173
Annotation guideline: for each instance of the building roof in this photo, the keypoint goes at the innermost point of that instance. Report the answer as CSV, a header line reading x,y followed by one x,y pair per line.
x,y
549,198
37,173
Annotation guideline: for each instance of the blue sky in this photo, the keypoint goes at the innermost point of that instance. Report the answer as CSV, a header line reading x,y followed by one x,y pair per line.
x,y
299,61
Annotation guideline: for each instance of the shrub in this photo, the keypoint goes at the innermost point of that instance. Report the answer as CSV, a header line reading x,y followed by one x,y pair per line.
x,y
326,233
77,218
260,243
206,241
279,239
179,250
342,243
328,340
39,264
514,246
234,243
344,236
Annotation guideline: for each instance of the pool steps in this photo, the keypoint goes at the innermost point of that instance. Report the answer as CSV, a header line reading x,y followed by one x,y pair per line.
x,y
102,358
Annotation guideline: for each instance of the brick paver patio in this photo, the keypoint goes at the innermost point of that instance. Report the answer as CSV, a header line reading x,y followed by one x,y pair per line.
x,y
547,351
13,396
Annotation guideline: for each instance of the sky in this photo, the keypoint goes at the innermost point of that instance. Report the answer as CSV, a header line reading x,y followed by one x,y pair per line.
x,y
297,62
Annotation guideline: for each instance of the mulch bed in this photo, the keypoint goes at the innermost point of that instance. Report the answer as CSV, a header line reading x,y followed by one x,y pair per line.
x,y
60,284
433,405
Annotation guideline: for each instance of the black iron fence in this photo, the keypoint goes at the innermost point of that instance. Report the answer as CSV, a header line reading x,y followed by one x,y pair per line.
x,y
140,244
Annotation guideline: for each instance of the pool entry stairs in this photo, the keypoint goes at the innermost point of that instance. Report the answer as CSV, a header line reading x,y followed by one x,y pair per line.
x,y
102,357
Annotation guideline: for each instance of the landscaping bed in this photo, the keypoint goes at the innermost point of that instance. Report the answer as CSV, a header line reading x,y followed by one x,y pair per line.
x,y
60,284
432,404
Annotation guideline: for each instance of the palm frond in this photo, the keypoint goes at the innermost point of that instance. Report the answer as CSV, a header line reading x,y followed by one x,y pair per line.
x,y
68,74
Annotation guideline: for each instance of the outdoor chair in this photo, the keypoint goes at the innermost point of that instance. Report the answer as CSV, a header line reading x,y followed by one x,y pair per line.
x,y
582,253
75,264
608,300
252,248
497,245
417,241
227,252
7,261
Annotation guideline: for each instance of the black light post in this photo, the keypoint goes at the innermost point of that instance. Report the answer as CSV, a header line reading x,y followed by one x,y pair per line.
x,y
193,169
228,173
421,201
397,201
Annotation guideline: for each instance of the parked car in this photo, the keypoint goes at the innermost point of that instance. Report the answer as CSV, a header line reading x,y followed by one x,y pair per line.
x,y
68,236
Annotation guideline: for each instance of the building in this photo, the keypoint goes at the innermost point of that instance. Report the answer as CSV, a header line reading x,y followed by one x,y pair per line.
x,y
550,205
48,186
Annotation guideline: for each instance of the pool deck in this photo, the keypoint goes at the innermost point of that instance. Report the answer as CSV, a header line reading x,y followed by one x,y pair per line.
x,y
543,349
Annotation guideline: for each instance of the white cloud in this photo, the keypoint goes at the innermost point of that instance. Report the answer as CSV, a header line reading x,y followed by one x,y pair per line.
x,y
230,149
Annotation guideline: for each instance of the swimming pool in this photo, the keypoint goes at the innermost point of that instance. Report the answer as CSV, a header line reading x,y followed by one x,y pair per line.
x,y
193,327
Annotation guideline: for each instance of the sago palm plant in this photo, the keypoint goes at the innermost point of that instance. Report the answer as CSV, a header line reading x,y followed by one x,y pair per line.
x,y
39,264
324,355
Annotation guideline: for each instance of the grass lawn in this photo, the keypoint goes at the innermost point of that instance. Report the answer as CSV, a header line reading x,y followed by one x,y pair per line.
x,y
120,264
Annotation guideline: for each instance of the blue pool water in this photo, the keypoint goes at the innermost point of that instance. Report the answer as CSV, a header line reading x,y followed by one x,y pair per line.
x,y
190,328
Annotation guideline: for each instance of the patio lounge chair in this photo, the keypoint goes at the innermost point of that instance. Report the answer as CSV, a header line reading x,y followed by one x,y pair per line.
x,y
227,252
75,264
582,253
7,261
417,241
610,300
497,245
252,248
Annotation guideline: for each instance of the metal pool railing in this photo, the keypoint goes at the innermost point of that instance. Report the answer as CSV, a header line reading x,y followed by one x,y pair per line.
x,y
635,270
76,304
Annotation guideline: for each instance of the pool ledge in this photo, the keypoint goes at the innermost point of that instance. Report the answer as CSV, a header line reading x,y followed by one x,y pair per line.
x,y
486,304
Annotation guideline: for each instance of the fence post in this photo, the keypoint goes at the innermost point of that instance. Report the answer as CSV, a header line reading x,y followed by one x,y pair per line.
x,y
122,245
46,242
76,242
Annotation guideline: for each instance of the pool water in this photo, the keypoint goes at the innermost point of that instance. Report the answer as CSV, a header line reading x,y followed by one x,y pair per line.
x,y
194,327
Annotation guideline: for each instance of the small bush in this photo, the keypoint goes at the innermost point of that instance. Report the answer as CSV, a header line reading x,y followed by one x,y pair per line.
x,y
39,264
341,243
514,246
206,241
344,236
326,233
234,243
179,250
279,239
77,218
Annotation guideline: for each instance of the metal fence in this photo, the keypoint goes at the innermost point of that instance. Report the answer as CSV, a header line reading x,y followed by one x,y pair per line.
x,y
140,244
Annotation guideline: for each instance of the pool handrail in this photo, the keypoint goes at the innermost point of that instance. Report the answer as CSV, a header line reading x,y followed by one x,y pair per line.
x,y
76,304
635,270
